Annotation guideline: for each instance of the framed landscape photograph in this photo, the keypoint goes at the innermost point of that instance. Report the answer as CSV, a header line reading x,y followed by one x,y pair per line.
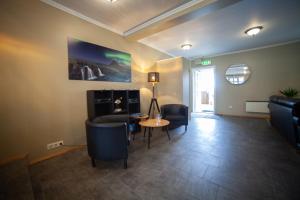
x,y
92,62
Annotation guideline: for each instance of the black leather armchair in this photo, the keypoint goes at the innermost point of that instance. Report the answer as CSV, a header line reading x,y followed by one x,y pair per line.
x,y
107,141
177,114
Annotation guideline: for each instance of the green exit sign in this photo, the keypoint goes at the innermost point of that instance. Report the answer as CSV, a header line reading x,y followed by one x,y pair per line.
x,y
205,62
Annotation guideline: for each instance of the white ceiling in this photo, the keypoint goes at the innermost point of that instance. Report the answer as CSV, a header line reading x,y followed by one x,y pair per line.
x,y
223,31
220,31
121,15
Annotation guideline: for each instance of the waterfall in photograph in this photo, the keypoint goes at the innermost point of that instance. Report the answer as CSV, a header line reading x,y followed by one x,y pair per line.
x,y
90,73
100,72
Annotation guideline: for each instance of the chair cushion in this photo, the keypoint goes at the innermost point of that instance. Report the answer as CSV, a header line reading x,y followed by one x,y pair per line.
x,y
175,117
111,118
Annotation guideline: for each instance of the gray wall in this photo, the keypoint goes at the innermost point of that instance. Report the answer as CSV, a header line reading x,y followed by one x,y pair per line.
x,y
272,69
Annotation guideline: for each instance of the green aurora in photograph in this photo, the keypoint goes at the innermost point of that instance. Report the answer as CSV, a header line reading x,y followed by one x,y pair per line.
x,y
122,58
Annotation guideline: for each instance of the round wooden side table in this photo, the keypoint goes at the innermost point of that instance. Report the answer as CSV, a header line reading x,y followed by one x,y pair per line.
x,y
154,123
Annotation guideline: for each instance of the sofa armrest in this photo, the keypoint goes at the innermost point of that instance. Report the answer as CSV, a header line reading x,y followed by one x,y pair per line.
x,y
296,121
186,111
162,112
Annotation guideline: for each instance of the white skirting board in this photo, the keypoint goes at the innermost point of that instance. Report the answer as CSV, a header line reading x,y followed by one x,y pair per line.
x,y
257,106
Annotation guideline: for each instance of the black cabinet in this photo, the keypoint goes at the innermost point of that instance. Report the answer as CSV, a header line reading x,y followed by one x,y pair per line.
x,y
108,102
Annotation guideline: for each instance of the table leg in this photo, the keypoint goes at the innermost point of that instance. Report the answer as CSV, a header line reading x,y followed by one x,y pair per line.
x,y
167,130
128,138
145,129
149,136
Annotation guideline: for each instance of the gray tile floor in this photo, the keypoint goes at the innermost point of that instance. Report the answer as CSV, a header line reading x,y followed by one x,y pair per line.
x,y
217,158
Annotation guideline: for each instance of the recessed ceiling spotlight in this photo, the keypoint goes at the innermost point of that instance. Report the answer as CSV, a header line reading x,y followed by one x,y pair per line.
x,y
254,30
111,1
186,46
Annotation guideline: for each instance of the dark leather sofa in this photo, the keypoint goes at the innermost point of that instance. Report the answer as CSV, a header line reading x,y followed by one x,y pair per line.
x,y
285,117
177,114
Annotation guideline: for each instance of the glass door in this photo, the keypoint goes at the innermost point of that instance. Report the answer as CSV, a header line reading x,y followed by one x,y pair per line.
x,y
203,90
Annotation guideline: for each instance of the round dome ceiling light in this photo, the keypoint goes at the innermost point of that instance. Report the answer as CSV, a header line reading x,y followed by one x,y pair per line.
x,y
186,46
111,1
254,30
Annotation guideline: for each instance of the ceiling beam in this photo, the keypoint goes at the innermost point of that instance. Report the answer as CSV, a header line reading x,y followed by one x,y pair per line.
x,y
181,14
80,15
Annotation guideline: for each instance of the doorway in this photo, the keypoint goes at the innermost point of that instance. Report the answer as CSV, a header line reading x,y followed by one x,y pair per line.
x,y
203,90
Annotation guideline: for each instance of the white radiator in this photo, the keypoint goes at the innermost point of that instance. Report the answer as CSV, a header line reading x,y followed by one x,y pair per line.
x,y
257,106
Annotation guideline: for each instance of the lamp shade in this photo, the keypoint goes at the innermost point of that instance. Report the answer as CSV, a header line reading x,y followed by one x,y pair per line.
x,y
153,77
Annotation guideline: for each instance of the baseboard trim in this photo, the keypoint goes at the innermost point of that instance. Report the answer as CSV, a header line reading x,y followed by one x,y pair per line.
x,y
56,154
267,117
13,158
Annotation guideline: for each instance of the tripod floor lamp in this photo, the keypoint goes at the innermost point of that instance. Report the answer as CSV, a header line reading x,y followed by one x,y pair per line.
x,y
153,77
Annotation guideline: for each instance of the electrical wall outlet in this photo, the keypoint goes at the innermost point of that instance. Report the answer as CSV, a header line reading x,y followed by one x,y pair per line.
x,y
54,145
230,107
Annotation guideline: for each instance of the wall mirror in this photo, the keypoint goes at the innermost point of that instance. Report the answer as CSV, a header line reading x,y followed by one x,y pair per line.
x,y
237,74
